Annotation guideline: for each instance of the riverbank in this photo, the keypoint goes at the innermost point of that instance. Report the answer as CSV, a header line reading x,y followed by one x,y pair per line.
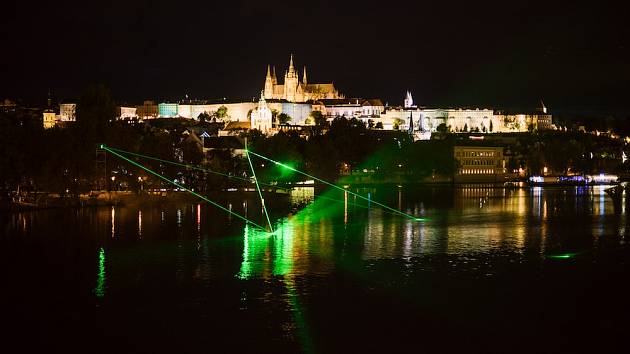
x,y
44,200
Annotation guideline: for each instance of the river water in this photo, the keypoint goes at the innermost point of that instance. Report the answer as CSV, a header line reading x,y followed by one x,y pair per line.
x,y
486,270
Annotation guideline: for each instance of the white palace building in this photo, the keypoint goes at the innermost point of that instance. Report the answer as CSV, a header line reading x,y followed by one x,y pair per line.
x,y
299,98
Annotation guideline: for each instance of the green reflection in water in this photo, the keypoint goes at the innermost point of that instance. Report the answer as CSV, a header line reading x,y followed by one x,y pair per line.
x,y
567,255
268,254
562,255
99,290
298,316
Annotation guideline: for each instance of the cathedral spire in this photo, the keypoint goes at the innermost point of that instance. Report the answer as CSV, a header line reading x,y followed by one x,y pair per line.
x,y
408,100
291,67
304,76
269,83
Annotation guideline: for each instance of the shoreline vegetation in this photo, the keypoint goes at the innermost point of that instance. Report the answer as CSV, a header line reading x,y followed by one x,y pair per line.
x,y
64,162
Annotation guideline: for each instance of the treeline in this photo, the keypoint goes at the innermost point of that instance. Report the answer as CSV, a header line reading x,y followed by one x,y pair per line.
x,y
65,160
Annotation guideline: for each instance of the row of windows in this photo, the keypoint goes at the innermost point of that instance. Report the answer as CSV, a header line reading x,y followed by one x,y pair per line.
x,y
486,162
475,154
476,171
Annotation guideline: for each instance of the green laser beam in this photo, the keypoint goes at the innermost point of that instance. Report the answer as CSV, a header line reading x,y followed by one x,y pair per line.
x,y
262,200
340,201
181,186
336,186
178,164
193,167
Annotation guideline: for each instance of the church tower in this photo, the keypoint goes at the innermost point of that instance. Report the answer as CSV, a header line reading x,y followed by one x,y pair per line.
x,y
268,93
304,76
291,81
262,118
408,100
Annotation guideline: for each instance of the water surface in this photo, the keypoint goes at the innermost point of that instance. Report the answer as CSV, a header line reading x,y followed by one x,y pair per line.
x,y
488,270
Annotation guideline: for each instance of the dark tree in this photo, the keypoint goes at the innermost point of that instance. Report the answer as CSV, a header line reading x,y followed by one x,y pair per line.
x,y
283,118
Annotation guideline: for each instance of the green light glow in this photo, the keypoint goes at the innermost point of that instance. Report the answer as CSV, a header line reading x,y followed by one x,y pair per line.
x,y
283,242
561,255
99,290
267,254
337,187
262,200
298,315
182,187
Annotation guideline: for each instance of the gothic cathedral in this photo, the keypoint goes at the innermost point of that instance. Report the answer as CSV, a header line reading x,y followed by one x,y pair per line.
x,y
295,91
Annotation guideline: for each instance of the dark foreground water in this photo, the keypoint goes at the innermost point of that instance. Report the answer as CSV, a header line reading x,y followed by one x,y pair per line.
x,y
489,270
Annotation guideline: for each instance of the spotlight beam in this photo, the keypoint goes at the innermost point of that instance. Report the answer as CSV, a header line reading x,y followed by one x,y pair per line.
x,y
180,186
336,186
178,164
262,200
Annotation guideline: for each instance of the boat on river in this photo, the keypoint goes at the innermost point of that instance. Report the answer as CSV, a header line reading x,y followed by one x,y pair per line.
x,y
574,180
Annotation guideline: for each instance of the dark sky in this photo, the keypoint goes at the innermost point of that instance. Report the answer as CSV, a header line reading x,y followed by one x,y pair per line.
x,y
447,53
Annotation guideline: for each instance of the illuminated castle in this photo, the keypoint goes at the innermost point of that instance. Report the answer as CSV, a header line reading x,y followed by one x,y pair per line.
x,y
293,90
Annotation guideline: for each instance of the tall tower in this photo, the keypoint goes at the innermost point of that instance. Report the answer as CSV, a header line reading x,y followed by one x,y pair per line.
x,y
304,76
268,84
408,100
274,78
290,82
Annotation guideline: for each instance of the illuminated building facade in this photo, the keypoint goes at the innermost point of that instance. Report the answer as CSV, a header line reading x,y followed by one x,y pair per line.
x,y
127,112
262,118
67,112
293,90
168,110
424,121
148,110
479,163
49,119
359,108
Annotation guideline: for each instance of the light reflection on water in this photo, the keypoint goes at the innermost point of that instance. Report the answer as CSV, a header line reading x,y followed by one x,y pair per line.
x,y
460,222
187,252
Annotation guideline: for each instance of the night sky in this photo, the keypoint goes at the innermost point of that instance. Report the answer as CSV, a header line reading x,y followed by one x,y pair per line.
x,y
476,53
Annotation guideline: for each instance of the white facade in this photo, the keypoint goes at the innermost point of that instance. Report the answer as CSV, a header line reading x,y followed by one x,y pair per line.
x,y
128,112
352,108
262,118
67,112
